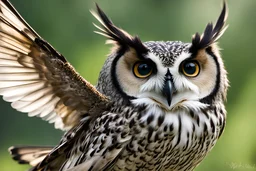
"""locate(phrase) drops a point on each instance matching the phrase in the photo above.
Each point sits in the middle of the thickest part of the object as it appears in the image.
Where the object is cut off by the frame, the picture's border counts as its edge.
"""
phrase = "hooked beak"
(168, 88)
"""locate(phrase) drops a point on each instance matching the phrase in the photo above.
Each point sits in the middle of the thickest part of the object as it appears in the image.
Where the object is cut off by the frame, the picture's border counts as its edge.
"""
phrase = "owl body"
(148, 137)
(171, 141)
(157, 105)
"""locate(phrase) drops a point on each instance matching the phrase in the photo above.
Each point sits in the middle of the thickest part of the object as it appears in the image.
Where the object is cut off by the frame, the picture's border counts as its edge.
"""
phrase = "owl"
(157, 105)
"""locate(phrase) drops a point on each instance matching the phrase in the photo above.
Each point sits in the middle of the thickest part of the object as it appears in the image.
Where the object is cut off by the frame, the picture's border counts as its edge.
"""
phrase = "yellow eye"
(142, 69)
(190, 68)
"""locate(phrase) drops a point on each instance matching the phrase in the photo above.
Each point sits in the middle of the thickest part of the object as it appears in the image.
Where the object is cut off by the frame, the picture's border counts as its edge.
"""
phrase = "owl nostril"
(168, 75)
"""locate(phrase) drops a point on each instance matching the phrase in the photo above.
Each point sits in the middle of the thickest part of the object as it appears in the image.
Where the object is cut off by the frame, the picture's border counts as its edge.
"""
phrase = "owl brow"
(142, 56)
(192, 57)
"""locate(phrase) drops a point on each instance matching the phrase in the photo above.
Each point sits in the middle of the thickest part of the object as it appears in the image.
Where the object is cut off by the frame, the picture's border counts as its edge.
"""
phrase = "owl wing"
(37, 79)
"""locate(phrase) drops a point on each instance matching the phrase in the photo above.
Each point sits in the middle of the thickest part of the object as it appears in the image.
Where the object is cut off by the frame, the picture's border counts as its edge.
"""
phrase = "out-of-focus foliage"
(67, 25)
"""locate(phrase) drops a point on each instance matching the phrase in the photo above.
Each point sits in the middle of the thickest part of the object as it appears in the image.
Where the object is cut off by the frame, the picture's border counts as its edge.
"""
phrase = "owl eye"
(142, 69)
(190, 68)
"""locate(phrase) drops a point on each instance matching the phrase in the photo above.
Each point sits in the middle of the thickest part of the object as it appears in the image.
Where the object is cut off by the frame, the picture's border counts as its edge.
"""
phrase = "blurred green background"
(67, 25)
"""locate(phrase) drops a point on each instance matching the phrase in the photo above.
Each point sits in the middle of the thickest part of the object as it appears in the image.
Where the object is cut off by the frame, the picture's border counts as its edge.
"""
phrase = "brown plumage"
(157, 105)
(37, 79)
(31, 155)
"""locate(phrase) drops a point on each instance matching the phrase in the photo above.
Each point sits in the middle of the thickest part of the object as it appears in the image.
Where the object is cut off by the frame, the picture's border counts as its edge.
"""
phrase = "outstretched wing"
(37, 79)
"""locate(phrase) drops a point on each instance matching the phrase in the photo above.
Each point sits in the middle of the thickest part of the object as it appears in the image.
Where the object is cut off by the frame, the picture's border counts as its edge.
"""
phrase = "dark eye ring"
(190, 68)
(142, 69)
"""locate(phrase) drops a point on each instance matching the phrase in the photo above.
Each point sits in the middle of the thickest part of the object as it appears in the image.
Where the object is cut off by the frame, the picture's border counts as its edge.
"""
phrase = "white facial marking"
(151, 91)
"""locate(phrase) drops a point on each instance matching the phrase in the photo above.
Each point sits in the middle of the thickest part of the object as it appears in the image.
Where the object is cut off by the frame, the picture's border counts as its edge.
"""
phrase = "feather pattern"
(211, 33)
(144, 134)
(115, 34)
(37, 79)
(29, 154)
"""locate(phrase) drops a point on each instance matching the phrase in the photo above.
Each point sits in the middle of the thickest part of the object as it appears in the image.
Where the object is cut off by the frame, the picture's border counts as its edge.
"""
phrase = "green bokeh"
(67, 25)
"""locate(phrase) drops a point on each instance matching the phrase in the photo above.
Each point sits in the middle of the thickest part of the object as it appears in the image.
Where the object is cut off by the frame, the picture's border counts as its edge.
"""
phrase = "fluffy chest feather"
(125, 139)
(171, 141)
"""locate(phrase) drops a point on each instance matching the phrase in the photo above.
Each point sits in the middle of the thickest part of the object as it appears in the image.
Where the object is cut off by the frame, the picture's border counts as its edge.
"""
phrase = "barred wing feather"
(37, 79)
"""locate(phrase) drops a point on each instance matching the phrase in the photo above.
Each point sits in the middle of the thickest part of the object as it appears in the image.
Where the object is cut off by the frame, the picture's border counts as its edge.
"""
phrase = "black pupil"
(144, 69)
(190, 68)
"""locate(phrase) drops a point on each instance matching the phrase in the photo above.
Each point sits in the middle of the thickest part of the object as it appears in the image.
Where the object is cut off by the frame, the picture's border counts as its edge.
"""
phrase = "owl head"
(167, 75)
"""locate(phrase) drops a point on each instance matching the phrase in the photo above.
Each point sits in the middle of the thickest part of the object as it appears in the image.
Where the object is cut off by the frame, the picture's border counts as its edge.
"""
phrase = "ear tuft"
(211, 34)
(116, 35)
